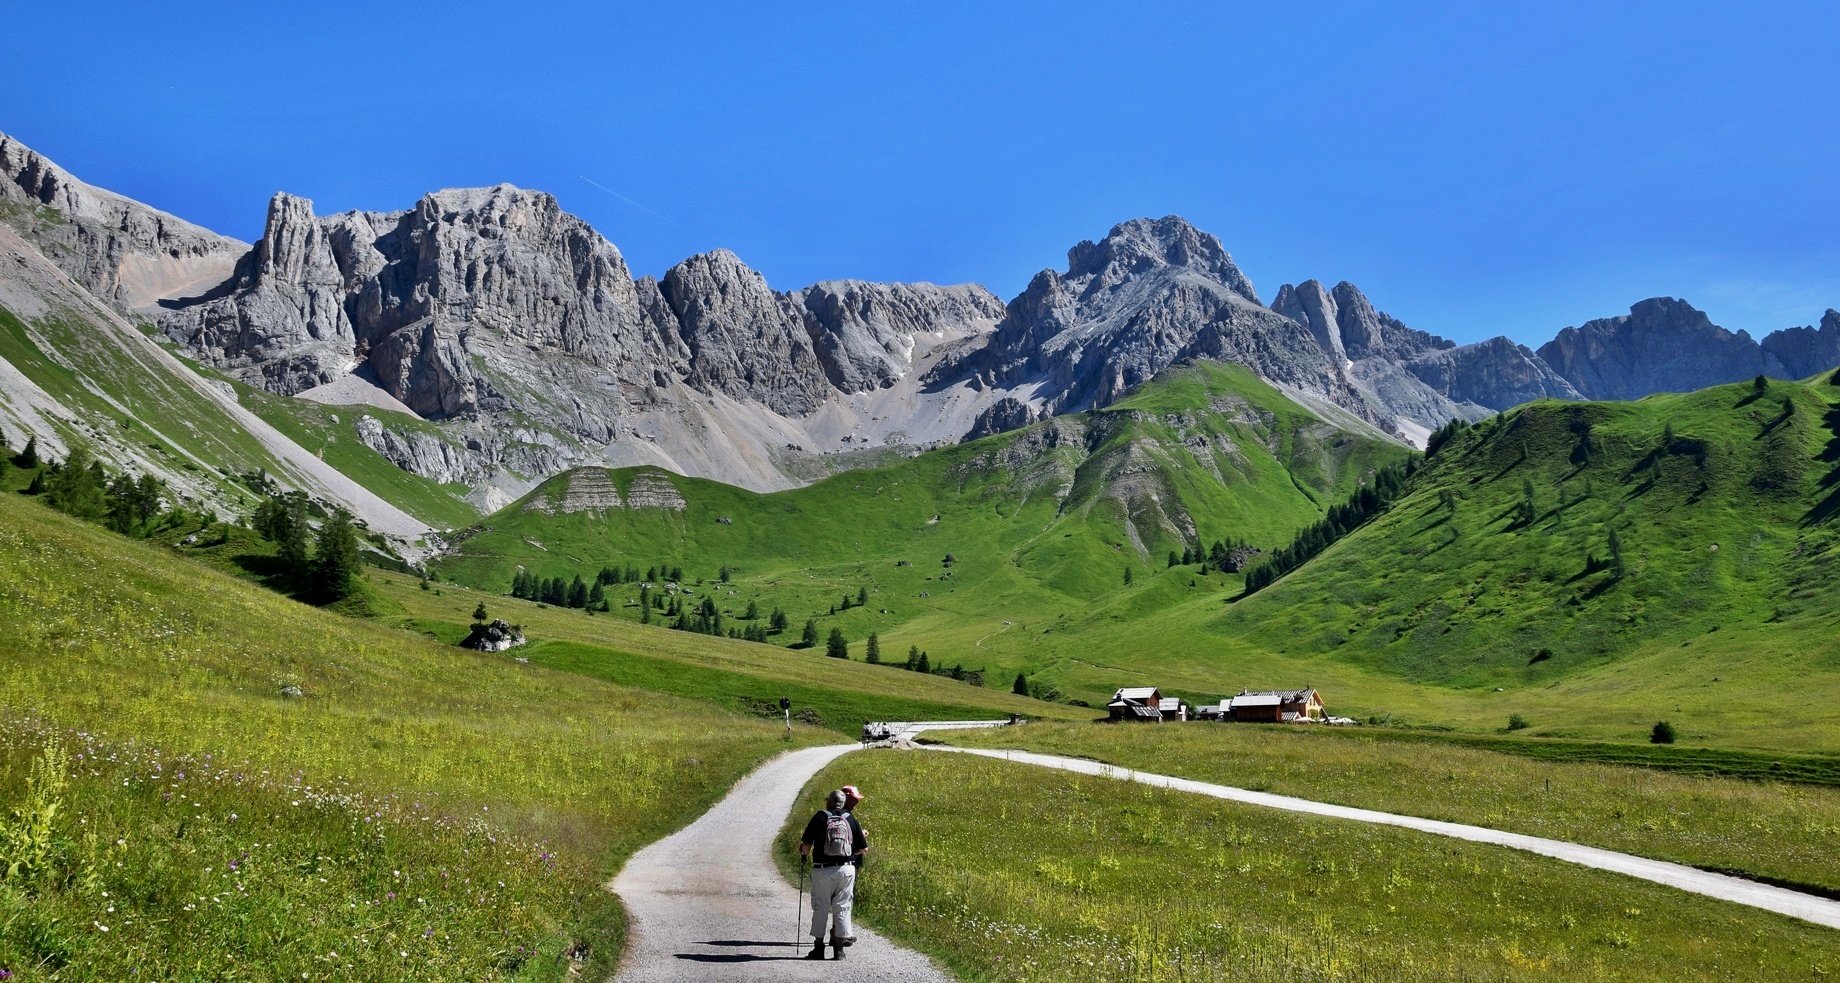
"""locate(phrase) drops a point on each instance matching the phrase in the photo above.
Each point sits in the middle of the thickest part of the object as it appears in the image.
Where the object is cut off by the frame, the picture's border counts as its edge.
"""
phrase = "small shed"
(1140, 703)
(1173, 708)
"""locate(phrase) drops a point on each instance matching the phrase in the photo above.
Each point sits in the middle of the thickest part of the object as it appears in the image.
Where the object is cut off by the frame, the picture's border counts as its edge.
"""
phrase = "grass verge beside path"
(416, 812)
(1016, 873)
(1783, 833)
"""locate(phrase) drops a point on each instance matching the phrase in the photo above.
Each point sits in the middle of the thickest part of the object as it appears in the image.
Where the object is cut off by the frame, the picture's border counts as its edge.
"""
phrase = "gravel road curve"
(1783, 901)
(707, 903)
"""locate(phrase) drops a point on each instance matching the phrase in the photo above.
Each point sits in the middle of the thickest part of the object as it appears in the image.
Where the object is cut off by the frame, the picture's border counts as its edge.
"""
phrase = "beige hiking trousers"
(833, 890)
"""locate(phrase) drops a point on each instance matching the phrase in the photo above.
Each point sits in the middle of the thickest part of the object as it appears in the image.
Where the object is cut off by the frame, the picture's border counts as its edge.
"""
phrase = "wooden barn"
(1139, 703)
(1274, 706)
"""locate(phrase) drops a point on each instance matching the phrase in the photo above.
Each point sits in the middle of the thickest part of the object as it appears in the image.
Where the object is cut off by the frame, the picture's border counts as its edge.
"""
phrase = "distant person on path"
(835, 843)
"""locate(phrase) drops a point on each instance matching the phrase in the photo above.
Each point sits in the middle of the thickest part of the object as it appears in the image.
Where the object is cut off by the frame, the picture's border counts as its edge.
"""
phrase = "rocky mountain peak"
(1661, 345)
(1136, 247)
(128, 254)
(1806, 351)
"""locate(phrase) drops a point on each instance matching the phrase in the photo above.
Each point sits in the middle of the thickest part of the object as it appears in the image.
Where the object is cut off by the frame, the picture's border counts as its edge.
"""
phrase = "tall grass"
(1016, 873)
(1784, 833)
(400, 755)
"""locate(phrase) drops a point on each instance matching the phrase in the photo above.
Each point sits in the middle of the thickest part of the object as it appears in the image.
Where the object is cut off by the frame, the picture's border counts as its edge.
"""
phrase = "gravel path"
(1795, 904)
(707, 902)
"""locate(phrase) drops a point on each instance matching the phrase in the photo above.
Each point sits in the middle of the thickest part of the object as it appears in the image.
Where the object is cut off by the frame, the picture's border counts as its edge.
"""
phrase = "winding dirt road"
(707, 903)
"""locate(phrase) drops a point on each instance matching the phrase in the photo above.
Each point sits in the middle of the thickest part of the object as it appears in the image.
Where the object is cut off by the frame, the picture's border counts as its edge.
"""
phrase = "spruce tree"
(872, 653)
(28, 458)
(924, 665)
(809, 639)
(337, 560)
(479, 613)
(835, 646)
(645, 605)
(291, 547)
(1760, 385)
(1173, 558)
(1021, 687)
(913, 658)
(1127, 576)
(597, 595)
(1616, 554)
(778, 622)
(578, 593)
(862, 596)
(753, 611)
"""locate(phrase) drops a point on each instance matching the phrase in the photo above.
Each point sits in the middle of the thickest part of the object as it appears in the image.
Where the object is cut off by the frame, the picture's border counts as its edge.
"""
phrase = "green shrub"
(1662, 734)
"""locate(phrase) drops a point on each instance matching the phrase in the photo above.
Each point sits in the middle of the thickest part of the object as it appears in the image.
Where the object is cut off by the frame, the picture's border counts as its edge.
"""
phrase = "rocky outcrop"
(119, 250)
(583, 490)
(420, 453)
(1150, 294)
(1005, 414)
(650, 490)
(1805, 351)
(497, 636)
(1661, 345)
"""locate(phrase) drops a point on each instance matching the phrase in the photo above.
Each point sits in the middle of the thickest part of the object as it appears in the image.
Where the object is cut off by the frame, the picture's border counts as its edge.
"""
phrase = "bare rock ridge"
(521, 337)
(1422, 379)
(1150, 294)
(1666, 345)
(123, 252)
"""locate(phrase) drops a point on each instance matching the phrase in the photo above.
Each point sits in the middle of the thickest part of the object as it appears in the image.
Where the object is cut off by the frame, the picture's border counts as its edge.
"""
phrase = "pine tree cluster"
(1367, 501)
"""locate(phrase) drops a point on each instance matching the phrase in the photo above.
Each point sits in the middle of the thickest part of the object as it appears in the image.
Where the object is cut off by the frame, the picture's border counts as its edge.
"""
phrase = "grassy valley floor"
(1016, 873)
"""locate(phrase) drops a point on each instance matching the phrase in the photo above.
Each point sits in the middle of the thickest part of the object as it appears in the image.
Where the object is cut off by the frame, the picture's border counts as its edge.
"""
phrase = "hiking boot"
(817, 950)
(837, 949)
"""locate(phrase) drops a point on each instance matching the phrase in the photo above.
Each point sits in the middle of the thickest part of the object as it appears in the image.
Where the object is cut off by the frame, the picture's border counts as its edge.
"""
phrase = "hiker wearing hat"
(835, 843)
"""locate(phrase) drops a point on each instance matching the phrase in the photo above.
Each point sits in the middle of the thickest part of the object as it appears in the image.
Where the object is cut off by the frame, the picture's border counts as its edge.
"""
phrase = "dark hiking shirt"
(814, 835)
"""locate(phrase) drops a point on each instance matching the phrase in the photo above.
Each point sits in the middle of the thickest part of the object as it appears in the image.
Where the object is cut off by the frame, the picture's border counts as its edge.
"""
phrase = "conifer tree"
(1173, 559)
(479, 613)
(1127, 576)
(597, 595)
(28, 458)
(872, 652)
(1021, 687)
(835, 646)
(291, 546)
(913, 658)
(810, 637)
(778, 621)
(578, 593)
(1616, 554)
(924, 666)
(337, 560)
(862, 596)
(753, 611)
(645, 605)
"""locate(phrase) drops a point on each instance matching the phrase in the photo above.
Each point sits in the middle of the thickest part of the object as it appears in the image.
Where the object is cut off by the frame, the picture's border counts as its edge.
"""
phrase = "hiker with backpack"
(835, 843)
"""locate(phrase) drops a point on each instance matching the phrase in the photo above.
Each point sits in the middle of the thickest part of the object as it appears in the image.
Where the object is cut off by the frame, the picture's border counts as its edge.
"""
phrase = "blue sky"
(1478, 169)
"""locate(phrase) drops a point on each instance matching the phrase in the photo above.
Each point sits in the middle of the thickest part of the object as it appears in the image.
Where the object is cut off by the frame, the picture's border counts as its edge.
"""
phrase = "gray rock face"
(1661, 345)
(420, 453)
(1414, 375)
(1496, 374)
(124, 252)
(1150, 294)
(867, 335)
(1804, 352)
(745, 340)
(1005, 414)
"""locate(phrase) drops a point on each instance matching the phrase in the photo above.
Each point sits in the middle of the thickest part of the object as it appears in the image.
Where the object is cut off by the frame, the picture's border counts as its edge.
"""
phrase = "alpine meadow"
(401, 580)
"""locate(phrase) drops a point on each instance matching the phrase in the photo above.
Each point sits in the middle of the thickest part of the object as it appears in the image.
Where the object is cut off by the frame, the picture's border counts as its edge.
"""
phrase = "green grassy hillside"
(1711, 606)
(1042, 526)
(416, 812)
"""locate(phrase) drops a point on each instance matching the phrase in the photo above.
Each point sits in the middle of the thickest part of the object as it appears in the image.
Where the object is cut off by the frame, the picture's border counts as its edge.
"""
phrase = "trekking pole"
(799, 916)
